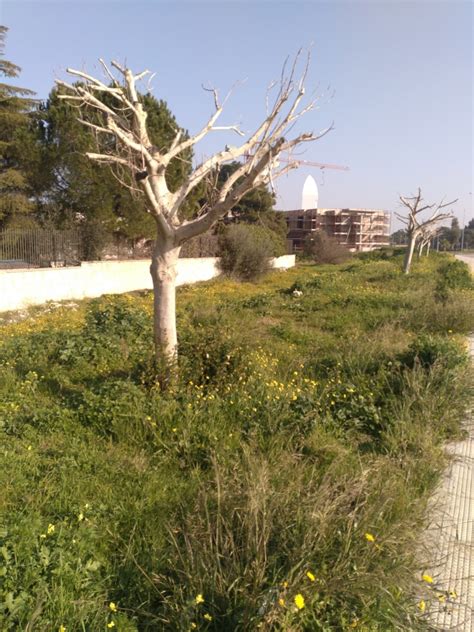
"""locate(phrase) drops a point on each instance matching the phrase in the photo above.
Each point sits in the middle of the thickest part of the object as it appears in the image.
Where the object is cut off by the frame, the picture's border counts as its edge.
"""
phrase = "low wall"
(22, 288)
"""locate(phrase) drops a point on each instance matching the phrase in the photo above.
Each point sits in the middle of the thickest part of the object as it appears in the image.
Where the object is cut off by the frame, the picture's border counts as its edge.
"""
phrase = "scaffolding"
(359, 230)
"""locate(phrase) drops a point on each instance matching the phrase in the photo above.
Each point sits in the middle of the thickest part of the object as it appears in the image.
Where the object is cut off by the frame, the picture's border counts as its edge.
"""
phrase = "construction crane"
(310, 195)
(320, 165)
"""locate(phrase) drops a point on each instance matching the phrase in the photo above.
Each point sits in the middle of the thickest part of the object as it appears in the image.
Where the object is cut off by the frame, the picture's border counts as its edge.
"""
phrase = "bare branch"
(109, 73)
(96, 128)
(142, 74)
(232, 128)
(109, 159)
(215, 94)
(120, 68)
(84, 75)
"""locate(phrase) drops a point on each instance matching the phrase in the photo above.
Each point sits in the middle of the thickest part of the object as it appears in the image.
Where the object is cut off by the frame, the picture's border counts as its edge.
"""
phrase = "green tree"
(73, 190)
(450, 236)
(455, 232)
(399, 237)
(469, 234)
(256, 207)
(16, 106)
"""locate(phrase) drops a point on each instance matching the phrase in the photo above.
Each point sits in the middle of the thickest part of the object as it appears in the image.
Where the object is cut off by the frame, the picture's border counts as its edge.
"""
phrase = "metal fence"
(45, 248)
(39, 248)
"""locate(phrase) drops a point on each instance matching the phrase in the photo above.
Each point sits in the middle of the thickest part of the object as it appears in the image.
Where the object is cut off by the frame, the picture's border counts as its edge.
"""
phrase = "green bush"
(456, 275)
(245, 251)
(452, 275)
(322, 248)
(427, 350)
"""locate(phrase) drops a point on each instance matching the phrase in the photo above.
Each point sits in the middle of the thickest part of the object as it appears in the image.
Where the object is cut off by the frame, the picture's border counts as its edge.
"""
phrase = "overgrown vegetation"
(274, 487)
(322, 248)
(245, 250)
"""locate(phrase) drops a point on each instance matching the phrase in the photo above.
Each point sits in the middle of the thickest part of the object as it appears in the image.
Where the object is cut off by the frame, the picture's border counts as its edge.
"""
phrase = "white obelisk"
(310, 194)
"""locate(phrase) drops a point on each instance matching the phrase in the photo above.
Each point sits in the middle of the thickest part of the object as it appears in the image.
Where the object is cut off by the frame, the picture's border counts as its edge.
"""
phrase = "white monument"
(310, 194)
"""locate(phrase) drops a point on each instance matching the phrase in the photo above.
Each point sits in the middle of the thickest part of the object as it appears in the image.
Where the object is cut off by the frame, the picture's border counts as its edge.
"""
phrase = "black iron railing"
(49, 248)
(39, 248)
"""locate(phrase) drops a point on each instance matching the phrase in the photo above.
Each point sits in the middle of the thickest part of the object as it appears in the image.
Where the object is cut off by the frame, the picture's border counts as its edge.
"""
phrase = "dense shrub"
(452, 275)
(245, 251)
(455, 274)
(427, 350)
(322, 248)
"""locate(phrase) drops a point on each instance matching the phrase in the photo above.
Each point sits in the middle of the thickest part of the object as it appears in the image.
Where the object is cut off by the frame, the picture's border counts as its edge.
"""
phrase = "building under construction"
(358, 229)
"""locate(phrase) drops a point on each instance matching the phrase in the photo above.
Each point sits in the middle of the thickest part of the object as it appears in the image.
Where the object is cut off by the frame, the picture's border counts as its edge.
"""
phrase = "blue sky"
(395, 77)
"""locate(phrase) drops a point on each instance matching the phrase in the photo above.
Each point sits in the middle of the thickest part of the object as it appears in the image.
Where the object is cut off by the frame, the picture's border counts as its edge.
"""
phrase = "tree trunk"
(428, 248)
(409, 254)
(163, 271)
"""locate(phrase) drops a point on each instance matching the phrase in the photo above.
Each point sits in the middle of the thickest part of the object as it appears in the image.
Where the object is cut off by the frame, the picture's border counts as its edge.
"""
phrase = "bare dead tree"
(417, 229)
(124, 144)
(428, 233)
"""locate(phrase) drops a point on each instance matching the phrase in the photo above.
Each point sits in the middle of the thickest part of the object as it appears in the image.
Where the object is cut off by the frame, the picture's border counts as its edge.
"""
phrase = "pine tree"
(75, 191)
(15, 106)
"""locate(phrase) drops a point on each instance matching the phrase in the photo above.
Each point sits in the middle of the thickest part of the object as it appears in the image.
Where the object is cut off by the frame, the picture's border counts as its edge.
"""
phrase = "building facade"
(358, 229)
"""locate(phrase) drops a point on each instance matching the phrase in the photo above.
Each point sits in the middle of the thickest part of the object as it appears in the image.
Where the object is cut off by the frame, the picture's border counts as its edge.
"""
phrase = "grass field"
(280, 484)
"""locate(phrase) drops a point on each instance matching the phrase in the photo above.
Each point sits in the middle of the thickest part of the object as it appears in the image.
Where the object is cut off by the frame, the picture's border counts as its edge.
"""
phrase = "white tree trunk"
(409, 254)
(163, 271)
(428, 248)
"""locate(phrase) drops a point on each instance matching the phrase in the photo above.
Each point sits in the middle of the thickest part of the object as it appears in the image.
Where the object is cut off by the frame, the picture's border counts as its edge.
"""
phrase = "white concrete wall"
(284, 262)
(21, 288)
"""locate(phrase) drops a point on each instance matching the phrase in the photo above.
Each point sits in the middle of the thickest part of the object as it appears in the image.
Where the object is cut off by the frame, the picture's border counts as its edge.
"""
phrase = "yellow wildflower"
(113, 606)
(199, 599)
(369, 537)
(427, 578)
(299, 601)
(310, 576)
(62, 628)
(80, 517)
(50, 529)
(285, 584)
(111, 624)
(208, 617)
(281, 601)
(193, 625)
(422, 605)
